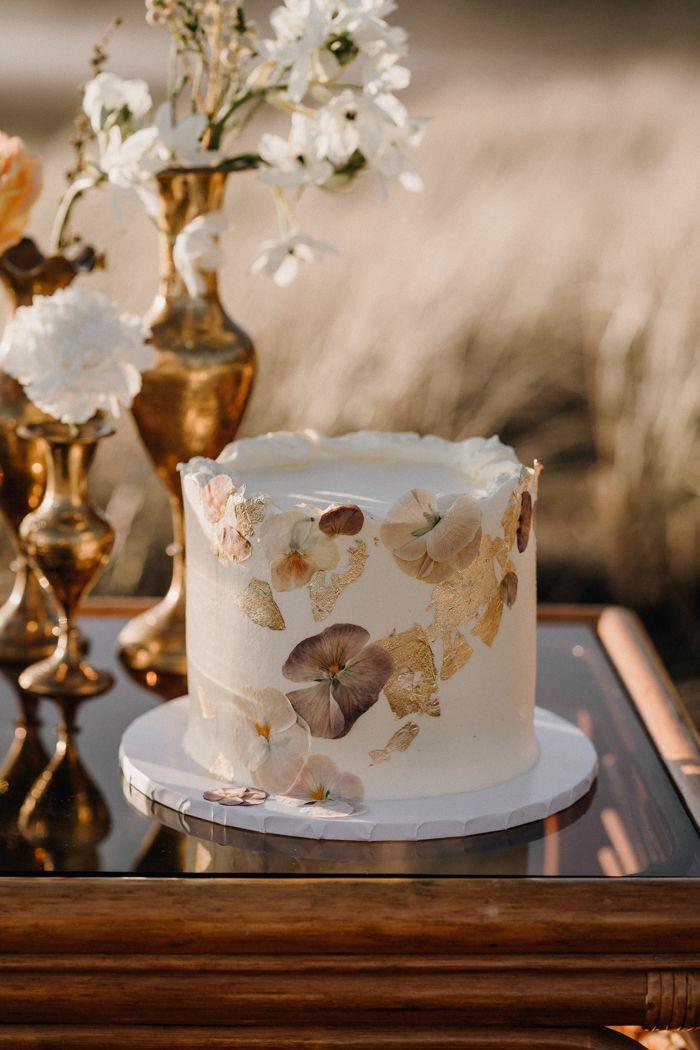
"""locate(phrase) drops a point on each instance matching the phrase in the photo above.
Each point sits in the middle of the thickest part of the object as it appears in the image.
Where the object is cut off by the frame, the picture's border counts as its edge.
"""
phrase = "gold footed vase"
(64, 816)
(29, 618)
(69, 542)
(190, 404)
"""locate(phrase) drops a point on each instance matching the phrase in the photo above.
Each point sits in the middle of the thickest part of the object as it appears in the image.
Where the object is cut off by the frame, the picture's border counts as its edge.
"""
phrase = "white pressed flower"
(298, 160)
(197, 249)
(280, 259)
(75, 354)
(110, 97)
(270, 742)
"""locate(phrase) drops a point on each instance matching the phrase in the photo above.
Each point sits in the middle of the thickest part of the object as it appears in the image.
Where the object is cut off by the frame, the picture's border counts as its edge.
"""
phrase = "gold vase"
(190, 404)
(69, 542)
(28, 619)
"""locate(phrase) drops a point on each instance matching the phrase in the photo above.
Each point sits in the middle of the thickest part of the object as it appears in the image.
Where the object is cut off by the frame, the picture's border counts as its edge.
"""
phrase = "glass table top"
(64, 809)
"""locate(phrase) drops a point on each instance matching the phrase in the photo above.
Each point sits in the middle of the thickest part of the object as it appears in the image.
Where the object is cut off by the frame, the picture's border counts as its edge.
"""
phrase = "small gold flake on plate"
(400, 741)
(257, 603)
(413, 685)
(324, 596)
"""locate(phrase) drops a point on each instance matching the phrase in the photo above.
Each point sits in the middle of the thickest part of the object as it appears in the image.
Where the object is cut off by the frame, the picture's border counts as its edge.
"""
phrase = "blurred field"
(543, 286)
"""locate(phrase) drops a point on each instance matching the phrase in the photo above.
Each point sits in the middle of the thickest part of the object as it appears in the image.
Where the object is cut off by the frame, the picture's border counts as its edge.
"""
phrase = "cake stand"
(154, 762)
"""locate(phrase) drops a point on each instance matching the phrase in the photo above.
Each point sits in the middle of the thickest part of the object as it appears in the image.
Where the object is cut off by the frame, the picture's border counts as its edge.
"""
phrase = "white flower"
(197, 249)
(382, 75)
(280, 259)
(296, 548)
(126, 161)
(179, 143)
(321, 782)
(391, 160)
(75, 354)
(270, 742)
(303, 27)
(108, 95)
(348, 123)
(298, 160)
(431, 537)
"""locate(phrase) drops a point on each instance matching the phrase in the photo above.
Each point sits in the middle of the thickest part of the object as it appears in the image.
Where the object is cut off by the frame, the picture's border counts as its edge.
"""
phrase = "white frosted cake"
(360, 616)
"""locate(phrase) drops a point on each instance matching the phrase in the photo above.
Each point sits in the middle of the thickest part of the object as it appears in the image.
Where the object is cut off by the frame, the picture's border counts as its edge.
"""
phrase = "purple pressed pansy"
(346, 674)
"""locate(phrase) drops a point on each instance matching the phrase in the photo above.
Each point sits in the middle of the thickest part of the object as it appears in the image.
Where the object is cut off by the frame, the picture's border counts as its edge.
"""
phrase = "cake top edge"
(483, 460)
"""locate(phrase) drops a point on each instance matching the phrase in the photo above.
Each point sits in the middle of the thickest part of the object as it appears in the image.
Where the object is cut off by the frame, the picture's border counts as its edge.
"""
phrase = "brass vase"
(28, 619)
(190, 404)
(69, 542)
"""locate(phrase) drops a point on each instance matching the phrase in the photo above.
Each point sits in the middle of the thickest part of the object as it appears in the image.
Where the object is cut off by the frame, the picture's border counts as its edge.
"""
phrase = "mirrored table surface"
(65, 809)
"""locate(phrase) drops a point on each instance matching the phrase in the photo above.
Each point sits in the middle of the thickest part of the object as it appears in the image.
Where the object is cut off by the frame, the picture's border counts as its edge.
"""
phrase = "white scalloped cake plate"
(154, 762)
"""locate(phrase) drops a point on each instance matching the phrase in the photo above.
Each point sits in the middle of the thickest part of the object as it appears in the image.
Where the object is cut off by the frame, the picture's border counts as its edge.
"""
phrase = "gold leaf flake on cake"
(490, 620)
(456, 650)
(413, 685)
(400, 741)
(324, 593)
(249, 513)
(257, 603)
(509, 521)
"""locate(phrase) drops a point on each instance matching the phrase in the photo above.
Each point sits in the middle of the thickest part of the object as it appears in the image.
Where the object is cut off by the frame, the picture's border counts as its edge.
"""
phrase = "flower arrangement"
(333, 66)
(75, 354)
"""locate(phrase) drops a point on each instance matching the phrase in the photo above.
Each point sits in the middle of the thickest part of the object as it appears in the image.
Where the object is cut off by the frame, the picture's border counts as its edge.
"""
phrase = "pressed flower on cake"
(296, 548)
(320, 781)
(346, 674)
(270, 742)
(432, 537)
(215, 495)
(230, 546)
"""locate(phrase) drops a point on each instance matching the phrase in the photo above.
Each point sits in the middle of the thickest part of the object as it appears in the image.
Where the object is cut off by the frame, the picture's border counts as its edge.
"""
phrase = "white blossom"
(109, 95)
(75, 354)
(280, 259)
(298, 160)
(127, 163)
(392, 161)
(348, 123)
(197, 249)
(179, 143)
(303, 28)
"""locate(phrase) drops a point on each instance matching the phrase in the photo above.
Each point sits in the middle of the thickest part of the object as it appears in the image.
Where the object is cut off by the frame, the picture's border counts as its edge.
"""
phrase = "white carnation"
(75, 354)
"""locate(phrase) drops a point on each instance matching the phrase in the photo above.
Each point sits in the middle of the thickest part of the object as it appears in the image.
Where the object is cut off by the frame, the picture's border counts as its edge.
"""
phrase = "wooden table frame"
(373, 962)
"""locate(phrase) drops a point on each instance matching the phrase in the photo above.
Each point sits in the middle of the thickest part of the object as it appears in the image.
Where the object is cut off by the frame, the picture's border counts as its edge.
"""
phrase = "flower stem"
(65, 207)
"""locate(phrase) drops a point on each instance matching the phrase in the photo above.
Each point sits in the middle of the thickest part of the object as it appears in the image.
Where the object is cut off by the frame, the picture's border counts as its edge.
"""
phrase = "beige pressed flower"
(321, 782)
(236, 796)
(269, 741)
(432, 537)
(230, 547)
(21, 179)
(296, 548)
(215, 495)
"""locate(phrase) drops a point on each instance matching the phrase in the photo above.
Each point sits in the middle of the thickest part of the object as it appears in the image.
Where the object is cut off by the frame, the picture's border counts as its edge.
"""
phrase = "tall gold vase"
(190, 404)
(28, 619)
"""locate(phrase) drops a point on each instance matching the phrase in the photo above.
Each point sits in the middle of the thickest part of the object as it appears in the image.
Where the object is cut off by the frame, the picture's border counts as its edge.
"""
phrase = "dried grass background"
(544, 285)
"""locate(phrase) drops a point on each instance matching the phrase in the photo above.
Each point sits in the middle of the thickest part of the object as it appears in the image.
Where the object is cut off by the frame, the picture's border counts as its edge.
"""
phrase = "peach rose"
(21, 178)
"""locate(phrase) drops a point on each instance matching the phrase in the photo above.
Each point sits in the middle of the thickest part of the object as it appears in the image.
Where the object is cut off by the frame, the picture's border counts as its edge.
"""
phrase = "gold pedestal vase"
(28, 619)
(69, 542)
(190, 404)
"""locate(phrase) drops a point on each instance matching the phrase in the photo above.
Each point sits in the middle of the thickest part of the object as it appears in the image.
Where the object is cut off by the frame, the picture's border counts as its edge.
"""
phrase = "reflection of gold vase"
(21, 766)
(28, 618)
(190, 404)
(65, 815)
(69, 542)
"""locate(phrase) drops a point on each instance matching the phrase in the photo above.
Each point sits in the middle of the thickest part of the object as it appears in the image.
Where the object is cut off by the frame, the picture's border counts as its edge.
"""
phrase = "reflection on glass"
(21, 766)
(166, 686)
(64, 815)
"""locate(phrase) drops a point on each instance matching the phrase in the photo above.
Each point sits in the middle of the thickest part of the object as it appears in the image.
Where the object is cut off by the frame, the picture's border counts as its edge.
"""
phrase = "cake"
(361, 617)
